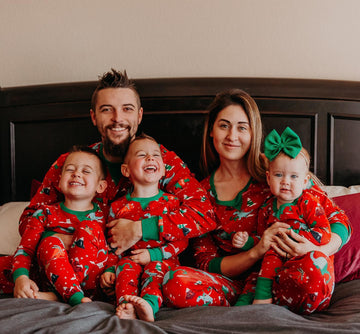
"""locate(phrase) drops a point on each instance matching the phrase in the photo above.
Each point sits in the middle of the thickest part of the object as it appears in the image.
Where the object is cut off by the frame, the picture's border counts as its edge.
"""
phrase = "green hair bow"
(289, 142)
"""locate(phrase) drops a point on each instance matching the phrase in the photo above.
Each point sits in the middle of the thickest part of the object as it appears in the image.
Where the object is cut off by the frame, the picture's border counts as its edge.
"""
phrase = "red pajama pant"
(77, 269)
(6, 282)
(303, 284)
(130, 277)
(186, 287)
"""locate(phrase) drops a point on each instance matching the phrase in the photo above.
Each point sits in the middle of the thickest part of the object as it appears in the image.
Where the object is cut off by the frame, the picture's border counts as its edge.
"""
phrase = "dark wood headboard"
(38, 123)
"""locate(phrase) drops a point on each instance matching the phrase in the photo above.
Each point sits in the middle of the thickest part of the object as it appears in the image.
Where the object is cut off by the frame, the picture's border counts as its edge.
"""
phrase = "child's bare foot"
(126, 311)
(46, 296)
(262, 301)
(86, 300)
(143, 309)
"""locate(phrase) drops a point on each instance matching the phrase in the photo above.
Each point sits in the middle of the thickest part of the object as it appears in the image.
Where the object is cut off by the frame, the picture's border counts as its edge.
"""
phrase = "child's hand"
(239, 239)
(140, 256)
(25, 287)
(107, 282)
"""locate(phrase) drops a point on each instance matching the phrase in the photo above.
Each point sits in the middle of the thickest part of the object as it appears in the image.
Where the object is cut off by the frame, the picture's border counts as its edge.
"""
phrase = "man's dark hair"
(114, 79)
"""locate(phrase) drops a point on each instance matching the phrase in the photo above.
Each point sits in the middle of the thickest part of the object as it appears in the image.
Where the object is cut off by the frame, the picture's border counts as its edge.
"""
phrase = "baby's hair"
(306, 156)
(89, 150)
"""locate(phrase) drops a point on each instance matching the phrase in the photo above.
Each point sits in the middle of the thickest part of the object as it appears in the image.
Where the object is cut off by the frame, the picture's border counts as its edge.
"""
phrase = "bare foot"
(126, 311)
(262, 301)
(46, 296)
(143, 309)
(86, 300)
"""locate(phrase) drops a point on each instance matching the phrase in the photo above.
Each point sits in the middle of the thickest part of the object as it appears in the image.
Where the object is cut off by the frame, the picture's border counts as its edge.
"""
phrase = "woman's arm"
(235, 265)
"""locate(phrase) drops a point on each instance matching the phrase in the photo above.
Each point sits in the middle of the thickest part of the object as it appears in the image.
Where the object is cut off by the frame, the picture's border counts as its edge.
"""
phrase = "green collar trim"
(237, 201)
(81, 215)
(144, 201)
(279, 211)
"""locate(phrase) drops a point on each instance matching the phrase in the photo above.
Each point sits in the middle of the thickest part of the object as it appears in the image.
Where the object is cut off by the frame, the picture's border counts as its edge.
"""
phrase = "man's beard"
(116, 150)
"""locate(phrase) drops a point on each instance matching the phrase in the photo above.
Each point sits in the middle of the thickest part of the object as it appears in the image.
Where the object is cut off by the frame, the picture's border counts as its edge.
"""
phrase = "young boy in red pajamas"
(150, 260)
(67, 237)
(288, 176)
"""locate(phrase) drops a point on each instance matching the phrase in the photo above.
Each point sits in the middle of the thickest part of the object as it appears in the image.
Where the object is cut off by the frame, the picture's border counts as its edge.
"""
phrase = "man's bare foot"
(262, 301)
(126, 311)
(46, 296)
(86, 300)
(143, 309)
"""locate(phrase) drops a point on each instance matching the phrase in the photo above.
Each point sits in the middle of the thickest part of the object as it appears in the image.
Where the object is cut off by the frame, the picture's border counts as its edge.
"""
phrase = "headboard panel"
(38, 123)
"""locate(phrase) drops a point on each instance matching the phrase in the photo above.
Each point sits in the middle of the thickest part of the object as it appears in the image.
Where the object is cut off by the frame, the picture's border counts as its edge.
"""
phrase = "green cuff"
(150, 228)
(215, 265)
(19, 272)
(153, 301)
(263, 288)
(75, 299)
(341, 231)
(110, 270)
(249, 244)
(155, 254)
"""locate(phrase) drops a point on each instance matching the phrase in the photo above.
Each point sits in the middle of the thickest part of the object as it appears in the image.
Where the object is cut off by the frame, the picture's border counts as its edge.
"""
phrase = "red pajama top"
(54, 218)
(305, 215)
(193, 217)
(138, 208)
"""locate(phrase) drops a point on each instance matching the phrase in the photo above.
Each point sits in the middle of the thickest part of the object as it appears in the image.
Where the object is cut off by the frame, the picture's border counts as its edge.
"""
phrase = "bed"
(326, 115)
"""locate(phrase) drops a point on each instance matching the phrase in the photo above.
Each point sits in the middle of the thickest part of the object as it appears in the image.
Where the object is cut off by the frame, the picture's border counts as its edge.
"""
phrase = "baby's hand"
(140, 256)
(239, 239)
(107, 282)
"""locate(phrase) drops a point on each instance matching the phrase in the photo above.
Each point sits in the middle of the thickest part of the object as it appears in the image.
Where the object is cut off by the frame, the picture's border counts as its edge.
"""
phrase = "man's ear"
(141, 112)
(101, 186)
(93, 118)
(125, 170)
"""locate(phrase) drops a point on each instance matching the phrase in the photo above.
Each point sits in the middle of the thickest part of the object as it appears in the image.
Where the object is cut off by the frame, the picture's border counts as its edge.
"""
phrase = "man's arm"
(194, 217)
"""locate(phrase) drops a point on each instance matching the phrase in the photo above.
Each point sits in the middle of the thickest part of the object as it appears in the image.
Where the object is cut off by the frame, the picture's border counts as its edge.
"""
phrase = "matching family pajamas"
(70, 271)
(131, 276)
(305, 277)
(193, 217)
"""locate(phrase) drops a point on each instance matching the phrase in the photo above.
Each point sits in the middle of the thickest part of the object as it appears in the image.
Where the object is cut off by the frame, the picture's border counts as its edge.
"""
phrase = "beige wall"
(49, 41)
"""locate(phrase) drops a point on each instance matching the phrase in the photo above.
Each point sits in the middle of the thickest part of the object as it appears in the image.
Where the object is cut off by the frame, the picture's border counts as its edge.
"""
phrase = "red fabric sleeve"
(47, 193)
(25, 252)
(314, 215)
(334, 214)
(195, 216)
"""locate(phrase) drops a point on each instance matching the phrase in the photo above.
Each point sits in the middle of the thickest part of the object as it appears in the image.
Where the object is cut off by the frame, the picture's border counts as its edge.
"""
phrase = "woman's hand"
(270, 236)
(236, 264)
(290, 244)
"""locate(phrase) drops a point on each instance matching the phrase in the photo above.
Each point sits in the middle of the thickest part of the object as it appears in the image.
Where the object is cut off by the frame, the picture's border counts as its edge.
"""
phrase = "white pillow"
(9, 224)
(336, 191)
